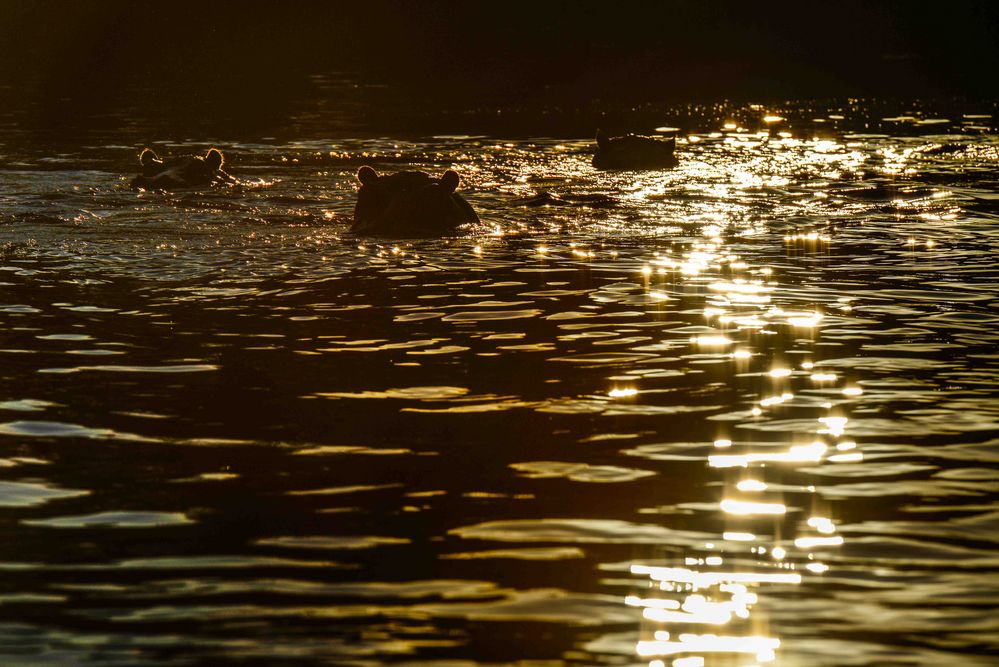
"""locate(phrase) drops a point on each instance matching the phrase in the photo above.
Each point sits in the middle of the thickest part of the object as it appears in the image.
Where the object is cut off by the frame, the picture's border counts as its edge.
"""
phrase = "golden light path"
(687, 607)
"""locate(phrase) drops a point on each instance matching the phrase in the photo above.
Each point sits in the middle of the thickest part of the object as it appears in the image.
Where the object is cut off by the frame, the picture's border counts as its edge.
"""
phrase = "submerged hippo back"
(409, 204)
(634, 152)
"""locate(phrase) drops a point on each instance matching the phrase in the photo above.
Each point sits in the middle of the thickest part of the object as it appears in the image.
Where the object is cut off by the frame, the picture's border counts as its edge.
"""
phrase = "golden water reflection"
(702, 609)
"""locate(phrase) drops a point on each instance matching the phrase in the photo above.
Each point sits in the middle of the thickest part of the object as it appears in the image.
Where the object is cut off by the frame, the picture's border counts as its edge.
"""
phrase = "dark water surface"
(746, 412)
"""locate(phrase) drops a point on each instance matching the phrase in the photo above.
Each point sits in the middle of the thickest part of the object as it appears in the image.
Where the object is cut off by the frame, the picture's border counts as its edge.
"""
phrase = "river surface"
(740, 412)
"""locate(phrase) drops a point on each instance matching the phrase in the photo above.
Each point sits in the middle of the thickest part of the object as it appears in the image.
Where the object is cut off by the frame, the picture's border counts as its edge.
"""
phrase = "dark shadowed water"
(744, 411)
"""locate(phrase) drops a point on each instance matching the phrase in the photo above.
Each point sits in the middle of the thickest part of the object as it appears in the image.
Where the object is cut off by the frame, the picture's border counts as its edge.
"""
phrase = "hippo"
(188, 171)
(632, 152)
(545, 198)
(409, 204)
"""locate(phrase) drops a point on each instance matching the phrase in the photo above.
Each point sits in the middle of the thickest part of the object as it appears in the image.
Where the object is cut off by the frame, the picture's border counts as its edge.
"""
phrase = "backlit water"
(743, 413)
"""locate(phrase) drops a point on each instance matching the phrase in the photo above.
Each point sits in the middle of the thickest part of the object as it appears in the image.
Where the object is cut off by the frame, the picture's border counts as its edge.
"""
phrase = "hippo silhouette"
(545, 198)
(632, 152)
(409, 204)
(188, 171)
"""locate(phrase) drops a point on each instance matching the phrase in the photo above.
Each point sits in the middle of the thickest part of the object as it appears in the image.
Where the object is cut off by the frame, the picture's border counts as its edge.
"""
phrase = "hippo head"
(180, 172)
(409, 203)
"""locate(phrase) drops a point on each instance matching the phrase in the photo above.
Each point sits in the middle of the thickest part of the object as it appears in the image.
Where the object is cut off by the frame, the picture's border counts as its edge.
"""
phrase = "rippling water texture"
(743, 410)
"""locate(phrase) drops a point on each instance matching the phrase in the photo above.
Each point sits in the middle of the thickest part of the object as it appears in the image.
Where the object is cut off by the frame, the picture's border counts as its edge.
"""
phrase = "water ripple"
(114, 520)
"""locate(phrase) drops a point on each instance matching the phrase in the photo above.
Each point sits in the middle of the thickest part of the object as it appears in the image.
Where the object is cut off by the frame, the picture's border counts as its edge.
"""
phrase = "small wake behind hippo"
(633, 152)
(409, 204)
(188, 171)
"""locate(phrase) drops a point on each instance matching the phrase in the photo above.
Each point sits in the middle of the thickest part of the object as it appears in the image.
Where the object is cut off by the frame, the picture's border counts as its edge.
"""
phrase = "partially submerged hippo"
(545, 198)
(634, 152)
(188, 171)
(409, 204)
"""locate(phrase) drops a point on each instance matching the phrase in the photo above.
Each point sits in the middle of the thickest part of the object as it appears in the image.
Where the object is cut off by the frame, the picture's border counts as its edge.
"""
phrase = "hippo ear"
(602, 142)
(367, 175)
(214, 159)
(147, 157)
(449, 181)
